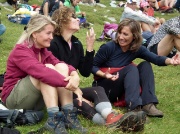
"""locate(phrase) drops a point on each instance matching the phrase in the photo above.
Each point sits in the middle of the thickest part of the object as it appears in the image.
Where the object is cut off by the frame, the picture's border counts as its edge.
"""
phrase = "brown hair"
(135, 28)
(62, 17)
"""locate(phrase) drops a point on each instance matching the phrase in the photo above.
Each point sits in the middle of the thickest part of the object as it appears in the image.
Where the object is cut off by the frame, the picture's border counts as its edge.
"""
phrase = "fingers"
(67, 78)
(175, 60)
(115, 77)
(79, 93)
(91, 32)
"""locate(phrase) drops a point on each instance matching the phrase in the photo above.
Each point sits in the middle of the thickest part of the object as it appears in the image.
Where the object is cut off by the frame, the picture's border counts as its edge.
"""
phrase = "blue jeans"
(177, 5)
(2, 29)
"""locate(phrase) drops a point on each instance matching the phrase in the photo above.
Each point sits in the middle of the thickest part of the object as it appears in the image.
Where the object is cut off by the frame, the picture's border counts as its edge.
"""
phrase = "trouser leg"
(131, 87)
(147, 83)
(86, 110)
(93, 94)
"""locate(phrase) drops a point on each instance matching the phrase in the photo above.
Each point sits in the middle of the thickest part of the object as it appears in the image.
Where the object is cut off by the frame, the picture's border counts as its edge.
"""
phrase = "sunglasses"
(74, 16)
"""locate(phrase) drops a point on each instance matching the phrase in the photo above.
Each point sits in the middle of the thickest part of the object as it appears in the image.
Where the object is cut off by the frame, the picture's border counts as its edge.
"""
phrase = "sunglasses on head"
(74, 16)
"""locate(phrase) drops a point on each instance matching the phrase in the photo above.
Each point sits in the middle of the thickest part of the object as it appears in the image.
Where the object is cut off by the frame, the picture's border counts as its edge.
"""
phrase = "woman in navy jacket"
(114, 70)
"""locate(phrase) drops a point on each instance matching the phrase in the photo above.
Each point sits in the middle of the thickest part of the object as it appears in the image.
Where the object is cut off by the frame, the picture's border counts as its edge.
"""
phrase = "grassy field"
(167, 78)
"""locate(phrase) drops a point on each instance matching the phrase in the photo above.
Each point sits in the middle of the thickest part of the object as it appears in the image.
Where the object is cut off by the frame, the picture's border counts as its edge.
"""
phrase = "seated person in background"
(74, 4)
(65, 46)
(49, 6)
(147, 23)
(13, 3)
(34, 78)
(113, 69)
(166, 5)
(153, 6)
(2, 30)
(166, 40)
(87, 1)
(146, 9)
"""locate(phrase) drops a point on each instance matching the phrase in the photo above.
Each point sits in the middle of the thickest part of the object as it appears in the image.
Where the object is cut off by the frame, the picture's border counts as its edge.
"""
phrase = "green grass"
(166, 78)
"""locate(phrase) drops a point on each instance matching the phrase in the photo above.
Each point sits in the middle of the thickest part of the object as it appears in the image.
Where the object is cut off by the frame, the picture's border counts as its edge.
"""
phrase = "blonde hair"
(62, 18)
(36, 24)
(135, 28)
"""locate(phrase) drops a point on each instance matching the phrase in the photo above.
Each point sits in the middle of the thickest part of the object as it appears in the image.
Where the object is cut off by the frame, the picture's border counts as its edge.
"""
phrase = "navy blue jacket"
(111, 55)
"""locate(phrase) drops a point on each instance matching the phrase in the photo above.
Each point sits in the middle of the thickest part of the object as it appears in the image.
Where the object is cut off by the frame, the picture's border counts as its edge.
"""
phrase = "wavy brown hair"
(62, 17)
(135, 28)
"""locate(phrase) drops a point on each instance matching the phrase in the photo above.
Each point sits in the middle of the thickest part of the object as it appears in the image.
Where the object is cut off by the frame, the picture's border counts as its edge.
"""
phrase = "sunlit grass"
(167, 78)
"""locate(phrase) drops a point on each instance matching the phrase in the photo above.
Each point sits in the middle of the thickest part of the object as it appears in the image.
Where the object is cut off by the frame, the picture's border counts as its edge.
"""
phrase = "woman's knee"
(99, 90)
(145, 67)
(132, 68)
(144, 64)
(62, 68)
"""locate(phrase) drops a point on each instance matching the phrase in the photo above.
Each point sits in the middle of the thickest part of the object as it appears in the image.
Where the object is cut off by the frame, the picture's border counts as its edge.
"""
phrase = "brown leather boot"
(151, 110)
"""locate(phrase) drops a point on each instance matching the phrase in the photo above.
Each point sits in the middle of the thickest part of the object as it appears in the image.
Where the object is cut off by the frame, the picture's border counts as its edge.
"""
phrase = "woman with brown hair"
(114, 70)
(65, 46)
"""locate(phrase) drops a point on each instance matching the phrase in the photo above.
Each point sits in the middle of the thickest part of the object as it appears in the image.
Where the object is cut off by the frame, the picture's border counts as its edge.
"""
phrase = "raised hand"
(90, 39)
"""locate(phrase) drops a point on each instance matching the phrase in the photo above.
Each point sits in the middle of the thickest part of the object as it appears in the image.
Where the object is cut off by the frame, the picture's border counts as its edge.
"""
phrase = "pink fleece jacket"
(23, 61)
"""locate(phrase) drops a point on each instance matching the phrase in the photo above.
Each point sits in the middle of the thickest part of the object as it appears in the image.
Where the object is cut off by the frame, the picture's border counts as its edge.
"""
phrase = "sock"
(104, 108)
(68, 106)
(98, 119)
(112, 34)
(52, 110)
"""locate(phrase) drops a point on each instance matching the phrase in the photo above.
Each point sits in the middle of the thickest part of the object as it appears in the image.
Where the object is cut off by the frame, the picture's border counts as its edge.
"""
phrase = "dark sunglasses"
(74, 16)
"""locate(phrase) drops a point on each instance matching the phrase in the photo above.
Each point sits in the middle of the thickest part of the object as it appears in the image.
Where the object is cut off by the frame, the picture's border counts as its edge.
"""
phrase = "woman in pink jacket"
(35, 78)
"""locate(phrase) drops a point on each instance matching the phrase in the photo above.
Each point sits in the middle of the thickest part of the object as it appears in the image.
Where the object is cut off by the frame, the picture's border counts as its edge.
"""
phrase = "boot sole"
(125, 122)
(48, 128)
(153, 115)
(159, 116)
(141, 120)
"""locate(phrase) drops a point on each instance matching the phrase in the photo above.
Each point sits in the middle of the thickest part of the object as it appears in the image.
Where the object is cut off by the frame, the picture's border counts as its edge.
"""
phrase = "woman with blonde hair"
(34, 77)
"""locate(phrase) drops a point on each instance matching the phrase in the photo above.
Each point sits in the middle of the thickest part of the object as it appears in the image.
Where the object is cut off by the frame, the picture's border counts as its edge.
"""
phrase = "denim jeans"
(2, 29)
